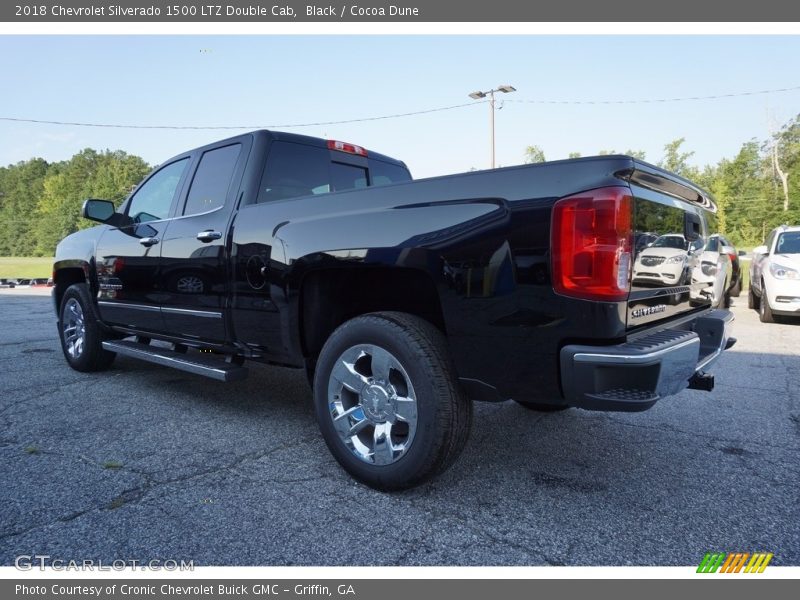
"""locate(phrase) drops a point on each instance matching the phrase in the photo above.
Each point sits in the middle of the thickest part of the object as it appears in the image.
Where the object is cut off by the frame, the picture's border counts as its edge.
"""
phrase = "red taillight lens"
(591, 244)
(345, 147)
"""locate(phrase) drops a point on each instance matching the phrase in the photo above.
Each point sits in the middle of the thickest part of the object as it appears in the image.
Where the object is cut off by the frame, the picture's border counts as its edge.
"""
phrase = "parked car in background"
(7, 283)
(775, 275)
(642, 239)
(668, 261)
(712, 276)
(718, 272)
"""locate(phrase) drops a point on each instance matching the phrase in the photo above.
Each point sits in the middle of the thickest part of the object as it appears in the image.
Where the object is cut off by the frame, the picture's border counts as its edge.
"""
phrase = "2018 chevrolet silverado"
(404, 300)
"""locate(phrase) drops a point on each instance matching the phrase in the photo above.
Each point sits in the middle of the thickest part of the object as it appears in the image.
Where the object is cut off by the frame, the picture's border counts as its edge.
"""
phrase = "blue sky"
(267, 80)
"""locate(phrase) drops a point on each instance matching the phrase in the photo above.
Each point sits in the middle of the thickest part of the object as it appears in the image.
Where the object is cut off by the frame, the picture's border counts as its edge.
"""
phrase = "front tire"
(80, 332)
(388, 402)
(764, 311)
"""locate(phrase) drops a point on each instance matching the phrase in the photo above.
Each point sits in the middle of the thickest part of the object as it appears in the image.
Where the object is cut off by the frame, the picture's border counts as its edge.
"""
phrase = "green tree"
(676, 161)
(21, 186)
(534, 154)
(638, 154)
(88, 174)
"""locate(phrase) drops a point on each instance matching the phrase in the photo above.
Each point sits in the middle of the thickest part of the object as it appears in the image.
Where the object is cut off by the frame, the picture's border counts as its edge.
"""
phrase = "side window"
(211, 181)
(294, 170)
(768, 243)
(153, 200)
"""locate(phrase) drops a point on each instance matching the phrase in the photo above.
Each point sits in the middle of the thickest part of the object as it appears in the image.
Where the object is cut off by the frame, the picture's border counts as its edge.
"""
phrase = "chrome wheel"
(372, 404)
(73, 328)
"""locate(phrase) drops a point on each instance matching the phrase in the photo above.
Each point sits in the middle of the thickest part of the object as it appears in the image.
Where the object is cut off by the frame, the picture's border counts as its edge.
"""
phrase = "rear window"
(295, 170)
(384, 173)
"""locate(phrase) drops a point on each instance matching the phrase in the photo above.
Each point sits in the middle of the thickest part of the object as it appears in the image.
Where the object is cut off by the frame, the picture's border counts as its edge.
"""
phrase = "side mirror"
(98, 210)
(760, 250)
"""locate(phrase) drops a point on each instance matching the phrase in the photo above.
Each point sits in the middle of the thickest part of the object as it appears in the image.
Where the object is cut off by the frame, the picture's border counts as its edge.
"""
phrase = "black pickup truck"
(404, 300)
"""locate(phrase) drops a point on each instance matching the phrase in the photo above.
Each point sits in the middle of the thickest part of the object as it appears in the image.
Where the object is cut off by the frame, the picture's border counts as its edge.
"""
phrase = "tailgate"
(671, 225)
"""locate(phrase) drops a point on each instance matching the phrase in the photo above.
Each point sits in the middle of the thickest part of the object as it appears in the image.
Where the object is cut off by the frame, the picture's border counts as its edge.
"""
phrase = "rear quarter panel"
(483, 238)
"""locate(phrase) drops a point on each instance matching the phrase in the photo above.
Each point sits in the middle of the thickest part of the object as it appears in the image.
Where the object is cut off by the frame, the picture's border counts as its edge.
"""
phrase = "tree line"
(40, 202)
(755, 190)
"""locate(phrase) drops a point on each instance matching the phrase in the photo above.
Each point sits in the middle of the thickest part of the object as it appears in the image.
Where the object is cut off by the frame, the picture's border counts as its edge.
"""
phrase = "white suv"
(667, 261)
(775, 275)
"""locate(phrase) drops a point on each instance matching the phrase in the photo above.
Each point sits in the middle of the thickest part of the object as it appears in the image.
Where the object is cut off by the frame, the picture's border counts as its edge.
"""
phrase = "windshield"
(788, 243)
(670, 241)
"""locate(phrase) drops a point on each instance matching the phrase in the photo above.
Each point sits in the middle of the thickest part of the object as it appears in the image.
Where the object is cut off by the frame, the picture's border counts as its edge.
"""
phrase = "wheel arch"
(65, 274)
(329, 297)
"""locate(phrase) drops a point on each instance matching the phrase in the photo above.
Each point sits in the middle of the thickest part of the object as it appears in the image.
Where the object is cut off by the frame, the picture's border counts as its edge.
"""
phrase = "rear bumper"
(635, 375)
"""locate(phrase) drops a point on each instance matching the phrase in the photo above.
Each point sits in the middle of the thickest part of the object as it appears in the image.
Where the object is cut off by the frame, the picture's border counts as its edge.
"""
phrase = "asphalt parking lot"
(143, 462)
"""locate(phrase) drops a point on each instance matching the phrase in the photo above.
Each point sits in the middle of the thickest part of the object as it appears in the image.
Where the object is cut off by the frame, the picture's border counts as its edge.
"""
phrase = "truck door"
(194, 253)
(127, 264)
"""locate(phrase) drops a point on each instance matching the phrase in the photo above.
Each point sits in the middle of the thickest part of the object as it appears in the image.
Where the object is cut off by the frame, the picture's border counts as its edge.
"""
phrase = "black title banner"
(399, 11)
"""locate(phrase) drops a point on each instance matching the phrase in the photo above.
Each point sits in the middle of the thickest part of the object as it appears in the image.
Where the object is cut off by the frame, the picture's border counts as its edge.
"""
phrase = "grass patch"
(112, 464)
(25, 267)
(745, 266)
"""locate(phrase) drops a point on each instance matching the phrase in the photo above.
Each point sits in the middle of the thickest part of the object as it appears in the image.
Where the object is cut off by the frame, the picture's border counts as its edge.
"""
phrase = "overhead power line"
(283, 125)
(399, 115)
(656, 100)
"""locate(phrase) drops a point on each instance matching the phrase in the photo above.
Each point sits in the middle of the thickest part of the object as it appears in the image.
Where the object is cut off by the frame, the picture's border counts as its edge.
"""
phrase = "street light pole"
(506, 89)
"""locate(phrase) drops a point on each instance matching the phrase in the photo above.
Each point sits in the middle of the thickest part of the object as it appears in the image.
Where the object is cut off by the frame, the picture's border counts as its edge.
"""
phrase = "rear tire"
(764, 311)
(388, 402)
(80, 332)
(736, 290)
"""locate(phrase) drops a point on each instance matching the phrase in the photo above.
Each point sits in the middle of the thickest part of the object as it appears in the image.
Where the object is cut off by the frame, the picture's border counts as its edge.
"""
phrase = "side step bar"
(207, 366)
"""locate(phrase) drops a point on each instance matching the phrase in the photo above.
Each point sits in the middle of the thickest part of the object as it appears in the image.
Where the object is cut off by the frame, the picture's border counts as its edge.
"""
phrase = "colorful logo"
(734, 562)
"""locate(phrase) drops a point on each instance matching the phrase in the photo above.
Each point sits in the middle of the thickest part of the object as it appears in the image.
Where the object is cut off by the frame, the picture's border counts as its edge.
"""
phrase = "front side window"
(211, 181)
(713, 244)
(152, 201)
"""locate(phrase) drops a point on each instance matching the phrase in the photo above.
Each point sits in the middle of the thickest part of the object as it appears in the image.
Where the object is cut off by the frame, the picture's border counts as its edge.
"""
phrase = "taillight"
(591, 244)
(345, 147)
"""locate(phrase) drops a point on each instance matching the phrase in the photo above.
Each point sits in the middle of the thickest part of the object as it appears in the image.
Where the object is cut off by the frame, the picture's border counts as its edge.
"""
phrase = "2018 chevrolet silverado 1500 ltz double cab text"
(404, 300)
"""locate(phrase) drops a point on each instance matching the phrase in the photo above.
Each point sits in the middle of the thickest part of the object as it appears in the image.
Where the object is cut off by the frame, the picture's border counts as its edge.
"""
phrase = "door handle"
(148, 241)
(208, 235)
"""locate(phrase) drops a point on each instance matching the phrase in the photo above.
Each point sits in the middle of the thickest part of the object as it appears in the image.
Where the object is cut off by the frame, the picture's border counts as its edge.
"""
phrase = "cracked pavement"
(143, 462)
